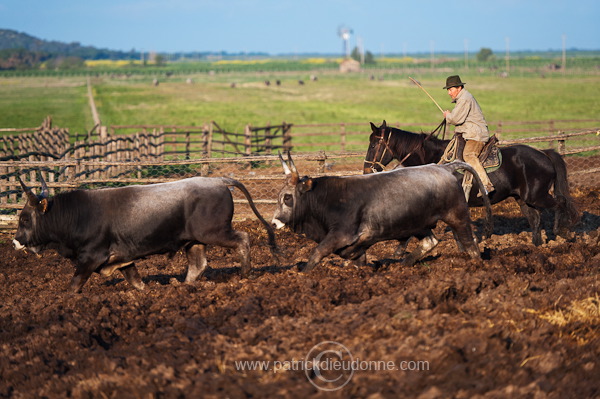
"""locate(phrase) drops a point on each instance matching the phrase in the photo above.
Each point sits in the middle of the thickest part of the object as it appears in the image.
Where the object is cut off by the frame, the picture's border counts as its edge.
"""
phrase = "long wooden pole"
(421, 87)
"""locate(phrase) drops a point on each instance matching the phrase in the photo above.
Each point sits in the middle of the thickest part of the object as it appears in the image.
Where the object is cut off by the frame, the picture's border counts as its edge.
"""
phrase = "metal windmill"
(345, 33)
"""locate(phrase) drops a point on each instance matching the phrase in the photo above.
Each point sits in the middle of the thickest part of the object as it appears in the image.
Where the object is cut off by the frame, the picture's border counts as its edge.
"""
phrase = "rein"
(387, 146)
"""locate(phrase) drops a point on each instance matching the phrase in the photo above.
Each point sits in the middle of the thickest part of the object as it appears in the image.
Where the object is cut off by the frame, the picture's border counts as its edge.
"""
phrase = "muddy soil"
(513, 325)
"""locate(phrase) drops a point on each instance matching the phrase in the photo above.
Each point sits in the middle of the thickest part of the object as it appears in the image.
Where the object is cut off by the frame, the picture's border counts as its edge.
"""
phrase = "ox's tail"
(567, 213)
(268, 227)
(489, 221)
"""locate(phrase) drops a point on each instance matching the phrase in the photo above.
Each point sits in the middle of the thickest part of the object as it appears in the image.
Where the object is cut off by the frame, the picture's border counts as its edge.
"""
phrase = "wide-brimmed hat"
(453, 81)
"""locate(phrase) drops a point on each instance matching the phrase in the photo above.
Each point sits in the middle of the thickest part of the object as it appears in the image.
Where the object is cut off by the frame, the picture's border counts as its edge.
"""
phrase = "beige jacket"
(468, 118)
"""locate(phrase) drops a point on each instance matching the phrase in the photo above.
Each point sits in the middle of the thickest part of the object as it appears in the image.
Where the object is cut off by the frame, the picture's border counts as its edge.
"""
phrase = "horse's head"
(379, 153)
(387, 143)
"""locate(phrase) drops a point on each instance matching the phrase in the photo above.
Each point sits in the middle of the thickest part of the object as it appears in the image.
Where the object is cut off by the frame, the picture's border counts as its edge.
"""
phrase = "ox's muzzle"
(277, 224)
(18, 245)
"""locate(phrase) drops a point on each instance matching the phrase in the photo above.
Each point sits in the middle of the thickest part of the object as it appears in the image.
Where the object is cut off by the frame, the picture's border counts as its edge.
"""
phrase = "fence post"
(161, 144)
(561, 145)
(343, 136)
(137, 155)
(287, 136)
(3, 187)
(13, 183)
(322, 161)
(267, 136)
(248, 140)
(499, 130)
(206, 147)
(187, 144)
(154, 144)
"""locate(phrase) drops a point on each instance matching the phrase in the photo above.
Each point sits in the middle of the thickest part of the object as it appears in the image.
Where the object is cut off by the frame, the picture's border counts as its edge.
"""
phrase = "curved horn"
(286, 168)
(45, 192)
(295, 176)
(291, 163)
(33, 199)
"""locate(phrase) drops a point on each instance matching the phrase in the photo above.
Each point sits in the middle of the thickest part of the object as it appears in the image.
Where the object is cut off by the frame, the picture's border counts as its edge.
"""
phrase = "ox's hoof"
(305, 267)
(409, 261)
(132, 276)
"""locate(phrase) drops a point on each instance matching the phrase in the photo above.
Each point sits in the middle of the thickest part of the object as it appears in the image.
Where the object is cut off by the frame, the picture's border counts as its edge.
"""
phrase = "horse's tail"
(561, 190)
(489, 221)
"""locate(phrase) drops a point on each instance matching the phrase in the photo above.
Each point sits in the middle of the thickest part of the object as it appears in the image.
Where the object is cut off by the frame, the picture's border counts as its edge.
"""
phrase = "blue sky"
(309, 26)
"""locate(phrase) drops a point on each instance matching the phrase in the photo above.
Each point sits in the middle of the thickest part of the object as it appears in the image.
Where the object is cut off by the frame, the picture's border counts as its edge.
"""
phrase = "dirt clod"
(447, 327)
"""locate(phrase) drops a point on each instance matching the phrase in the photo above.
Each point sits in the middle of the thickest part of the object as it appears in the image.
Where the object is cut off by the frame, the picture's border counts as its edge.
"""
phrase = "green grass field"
(333, 98)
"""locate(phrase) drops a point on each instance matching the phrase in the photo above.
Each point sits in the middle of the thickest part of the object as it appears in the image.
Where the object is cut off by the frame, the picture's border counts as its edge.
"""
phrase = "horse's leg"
(541, 199)
(562, 216)
(533, 216)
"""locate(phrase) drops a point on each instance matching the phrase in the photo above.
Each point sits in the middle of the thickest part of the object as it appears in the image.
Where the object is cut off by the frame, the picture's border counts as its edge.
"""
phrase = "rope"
(449, 154)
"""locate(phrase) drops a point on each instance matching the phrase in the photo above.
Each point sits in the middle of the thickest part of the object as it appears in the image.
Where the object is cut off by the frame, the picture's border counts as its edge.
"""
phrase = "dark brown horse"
(526, 174)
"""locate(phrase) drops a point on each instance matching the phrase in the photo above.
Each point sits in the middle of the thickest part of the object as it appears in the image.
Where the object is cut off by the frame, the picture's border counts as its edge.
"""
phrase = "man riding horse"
(469, 121)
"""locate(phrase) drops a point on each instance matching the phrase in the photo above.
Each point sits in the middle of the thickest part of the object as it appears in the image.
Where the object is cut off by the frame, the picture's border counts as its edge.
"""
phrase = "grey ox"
(107, 229)
(347, 215)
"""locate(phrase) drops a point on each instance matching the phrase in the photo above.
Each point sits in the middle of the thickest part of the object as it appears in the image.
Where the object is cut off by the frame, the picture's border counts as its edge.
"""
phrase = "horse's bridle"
(387, 147)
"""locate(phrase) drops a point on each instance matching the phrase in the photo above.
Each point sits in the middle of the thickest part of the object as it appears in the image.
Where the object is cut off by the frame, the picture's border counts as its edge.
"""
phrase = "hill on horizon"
(13, 40)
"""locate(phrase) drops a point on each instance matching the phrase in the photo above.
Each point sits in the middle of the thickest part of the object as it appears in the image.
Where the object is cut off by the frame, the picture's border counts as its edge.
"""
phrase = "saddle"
(490, 156)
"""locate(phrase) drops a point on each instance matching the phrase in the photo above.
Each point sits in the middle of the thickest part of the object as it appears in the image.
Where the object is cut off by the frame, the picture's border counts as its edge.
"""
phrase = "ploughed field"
(525, 322)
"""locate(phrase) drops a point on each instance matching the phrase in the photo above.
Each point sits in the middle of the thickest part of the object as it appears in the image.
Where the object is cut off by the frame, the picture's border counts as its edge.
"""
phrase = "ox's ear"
(374, 128)
(384, 124)
(306, 184)
(43, 205)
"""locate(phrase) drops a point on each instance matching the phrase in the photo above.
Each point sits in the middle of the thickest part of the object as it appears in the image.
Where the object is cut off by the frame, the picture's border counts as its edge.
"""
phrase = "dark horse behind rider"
(526, 174)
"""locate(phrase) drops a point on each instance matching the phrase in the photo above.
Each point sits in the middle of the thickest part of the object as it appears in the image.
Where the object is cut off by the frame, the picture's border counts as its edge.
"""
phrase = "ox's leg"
(106, 271)
(361, 260)
(132, 276)
(401, 250)
(222, 234)
(467, 242)
(241, 242)
(196, 256)
(533, 216)
(425, 245)
(82, 274)
(325, 247)
(460, 223)
(244, 251)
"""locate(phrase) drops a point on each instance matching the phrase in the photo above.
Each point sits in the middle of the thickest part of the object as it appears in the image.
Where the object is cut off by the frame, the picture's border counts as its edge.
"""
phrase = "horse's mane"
(405, 142)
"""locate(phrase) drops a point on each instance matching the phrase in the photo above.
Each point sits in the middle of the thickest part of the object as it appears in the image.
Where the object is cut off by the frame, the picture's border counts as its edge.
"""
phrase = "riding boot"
(471, 156)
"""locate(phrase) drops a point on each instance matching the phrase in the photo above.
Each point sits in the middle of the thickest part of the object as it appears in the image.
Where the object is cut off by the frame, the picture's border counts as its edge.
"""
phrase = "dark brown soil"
(457, 327)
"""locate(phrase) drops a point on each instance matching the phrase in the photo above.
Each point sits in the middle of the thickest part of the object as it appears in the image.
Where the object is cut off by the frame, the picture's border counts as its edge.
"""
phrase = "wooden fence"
(122, 146)
(352, 136)
(150, 154)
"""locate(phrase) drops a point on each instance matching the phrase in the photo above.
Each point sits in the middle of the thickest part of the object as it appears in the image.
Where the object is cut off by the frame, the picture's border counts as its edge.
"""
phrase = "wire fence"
(94, 163)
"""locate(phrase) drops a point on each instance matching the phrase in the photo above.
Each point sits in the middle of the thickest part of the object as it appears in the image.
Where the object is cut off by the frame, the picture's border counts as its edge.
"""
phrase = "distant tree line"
(368, 58)
(19, 51)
